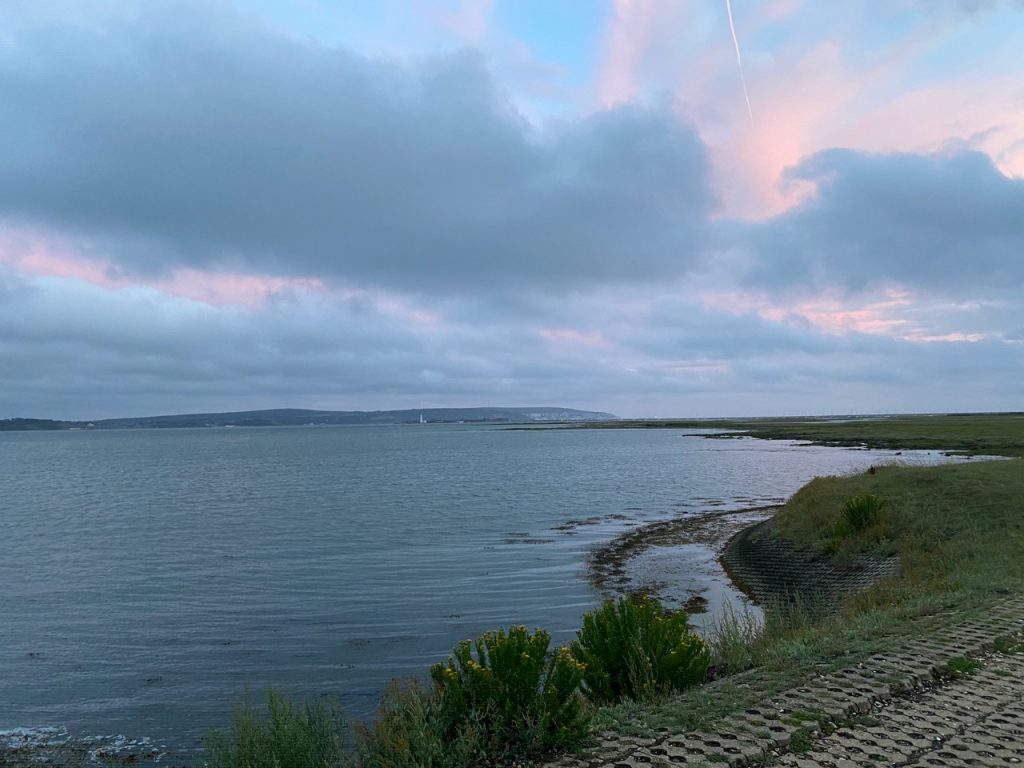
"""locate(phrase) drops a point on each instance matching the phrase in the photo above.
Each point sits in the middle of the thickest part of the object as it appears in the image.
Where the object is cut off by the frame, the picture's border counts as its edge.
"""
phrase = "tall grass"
(733, 638)
(410, 732)
(861, 512)
(310, 735)
(739, 640)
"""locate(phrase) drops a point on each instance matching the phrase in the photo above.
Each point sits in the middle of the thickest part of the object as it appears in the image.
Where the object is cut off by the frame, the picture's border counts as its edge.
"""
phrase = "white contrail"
(739, 60)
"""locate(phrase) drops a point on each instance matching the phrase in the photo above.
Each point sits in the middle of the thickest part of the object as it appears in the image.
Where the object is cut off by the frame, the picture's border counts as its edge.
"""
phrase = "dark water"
(148, 576)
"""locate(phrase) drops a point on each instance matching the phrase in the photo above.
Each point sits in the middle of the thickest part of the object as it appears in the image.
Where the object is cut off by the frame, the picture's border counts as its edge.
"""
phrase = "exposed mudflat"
(676, 561)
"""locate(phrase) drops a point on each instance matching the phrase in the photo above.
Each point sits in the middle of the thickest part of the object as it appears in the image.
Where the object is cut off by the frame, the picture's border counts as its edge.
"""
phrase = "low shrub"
(517, 699)
(287, 736)
(633, 649)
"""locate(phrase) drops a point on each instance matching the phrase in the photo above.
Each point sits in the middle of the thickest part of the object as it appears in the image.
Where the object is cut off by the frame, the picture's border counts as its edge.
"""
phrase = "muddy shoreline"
(675, 560)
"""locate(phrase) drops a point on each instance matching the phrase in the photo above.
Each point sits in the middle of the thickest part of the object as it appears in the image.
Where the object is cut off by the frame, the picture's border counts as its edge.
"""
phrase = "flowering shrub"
(633, 649)
(518, 699)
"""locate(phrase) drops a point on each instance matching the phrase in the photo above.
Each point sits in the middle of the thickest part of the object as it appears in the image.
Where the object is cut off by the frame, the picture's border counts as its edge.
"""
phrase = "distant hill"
(289, 417)
(30, 425)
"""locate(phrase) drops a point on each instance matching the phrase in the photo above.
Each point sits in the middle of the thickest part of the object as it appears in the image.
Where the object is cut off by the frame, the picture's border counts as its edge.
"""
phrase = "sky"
(373, 204)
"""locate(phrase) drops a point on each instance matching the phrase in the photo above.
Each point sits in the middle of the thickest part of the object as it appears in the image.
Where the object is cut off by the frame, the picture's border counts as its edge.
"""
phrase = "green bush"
(409, 733)
(633, 649)
(861, 512)
(518, 700)
(289, 736)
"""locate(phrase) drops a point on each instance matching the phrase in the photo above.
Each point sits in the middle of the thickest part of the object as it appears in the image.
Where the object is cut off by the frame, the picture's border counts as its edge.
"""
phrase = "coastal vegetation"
(958, 530)
(287, 735)
(971, 434)
(860, 513)
(519, 698)
(501, 699)
(633, 649)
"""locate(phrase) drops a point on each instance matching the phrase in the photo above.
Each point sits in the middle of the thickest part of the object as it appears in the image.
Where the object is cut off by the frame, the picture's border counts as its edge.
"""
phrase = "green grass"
(860, 513)
(957, 528)
(962, 667)
(1008, 645)
(800, 741)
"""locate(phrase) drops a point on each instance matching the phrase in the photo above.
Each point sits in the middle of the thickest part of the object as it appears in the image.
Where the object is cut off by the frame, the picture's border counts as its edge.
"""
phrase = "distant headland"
(294, 417)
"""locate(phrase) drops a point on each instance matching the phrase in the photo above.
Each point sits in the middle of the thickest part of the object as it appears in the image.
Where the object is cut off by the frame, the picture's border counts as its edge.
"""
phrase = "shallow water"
(148, 576)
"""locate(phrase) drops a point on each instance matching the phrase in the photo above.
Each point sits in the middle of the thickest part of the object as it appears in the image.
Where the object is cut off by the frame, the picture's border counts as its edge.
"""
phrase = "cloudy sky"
(361, 204)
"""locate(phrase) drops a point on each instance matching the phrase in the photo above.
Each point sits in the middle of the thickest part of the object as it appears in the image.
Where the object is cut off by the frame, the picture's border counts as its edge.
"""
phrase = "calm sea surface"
(146, 577)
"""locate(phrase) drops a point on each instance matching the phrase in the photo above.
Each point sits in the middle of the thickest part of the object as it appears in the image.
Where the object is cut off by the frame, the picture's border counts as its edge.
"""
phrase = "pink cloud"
(628, 36)
(469, 22)
(802, 105)
(947, 338)
(893, 313)
(33, 256)
(231, 288)
(775, 10)
(644, 40)
(829, 314)
(988, 116)
(807, 100)
(36, 254)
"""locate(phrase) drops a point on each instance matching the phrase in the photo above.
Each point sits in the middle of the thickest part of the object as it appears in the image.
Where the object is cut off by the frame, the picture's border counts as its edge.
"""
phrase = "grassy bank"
(994, 434)
(959, 530)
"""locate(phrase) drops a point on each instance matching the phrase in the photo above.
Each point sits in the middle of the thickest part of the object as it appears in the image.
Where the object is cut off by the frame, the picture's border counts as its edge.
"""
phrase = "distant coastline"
(295, 417)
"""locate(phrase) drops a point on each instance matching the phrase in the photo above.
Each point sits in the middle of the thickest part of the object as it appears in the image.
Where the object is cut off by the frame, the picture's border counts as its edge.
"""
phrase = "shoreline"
(677, 561)
(623, 565)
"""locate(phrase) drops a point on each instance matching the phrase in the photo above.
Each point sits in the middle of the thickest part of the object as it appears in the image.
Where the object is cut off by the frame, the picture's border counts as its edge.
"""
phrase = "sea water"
(147, 577)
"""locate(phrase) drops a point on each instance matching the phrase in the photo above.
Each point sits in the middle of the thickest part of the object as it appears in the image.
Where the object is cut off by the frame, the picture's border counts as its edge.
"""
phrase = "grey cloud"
(184, 133)
(165, 135)
(78, 351)
(73, 350)
(948, 223)
(680, 327)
